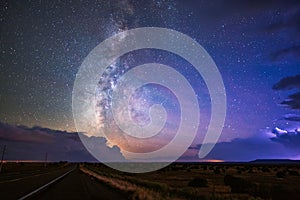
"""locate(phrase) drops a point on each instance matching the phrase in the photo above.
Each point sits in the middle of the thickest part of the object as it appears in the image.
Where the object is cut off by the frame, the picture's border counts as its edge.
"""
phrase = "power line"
(2, 157)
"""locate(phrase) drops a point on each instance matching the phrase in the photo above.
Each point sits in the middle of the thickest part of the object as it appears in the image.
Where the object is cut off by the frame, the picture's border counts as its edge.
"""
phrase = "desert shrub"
(238, 185)
(283, 192)
(265, 169)
(217, 171)
(198, 182)
(195, 166)
(263, 191)
(280, 174)
(294, 173)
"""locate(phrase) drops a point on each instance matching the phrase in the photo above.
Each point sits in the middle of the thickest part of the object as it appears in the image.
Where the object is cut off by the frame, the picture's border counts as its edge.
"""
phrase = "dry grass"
(136, 191)
(172, 182)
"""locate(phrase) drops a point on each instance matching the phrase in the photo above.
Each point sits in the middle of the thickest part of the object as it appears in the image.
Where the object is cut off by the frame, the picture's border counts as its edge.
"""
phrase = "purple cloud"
(244, 149)
(290, 139)
(24, 143)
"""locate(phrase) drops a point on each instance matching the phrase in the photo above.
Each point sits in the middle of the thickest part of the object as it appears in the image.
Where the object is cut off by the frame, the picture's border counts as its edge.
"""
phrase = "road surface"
(75, 185)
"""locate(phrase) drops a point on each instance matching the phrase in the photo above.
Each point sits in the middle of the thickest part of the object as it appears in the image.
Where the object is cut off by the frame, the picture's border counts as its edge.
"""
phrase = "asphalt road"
(75, 185)
(18, 175)
(78, 185)
(15, 187)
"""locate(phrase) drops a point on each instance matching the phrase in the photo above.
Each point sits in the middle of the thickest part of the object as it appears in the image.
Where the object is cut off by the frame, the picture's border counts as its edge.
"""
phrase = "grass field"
(205, 181)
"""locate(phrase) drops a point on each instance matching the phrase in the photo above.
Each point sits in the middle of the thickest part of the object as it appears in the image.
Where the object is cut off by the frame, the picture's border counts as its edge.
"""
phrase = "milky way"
(255, 46)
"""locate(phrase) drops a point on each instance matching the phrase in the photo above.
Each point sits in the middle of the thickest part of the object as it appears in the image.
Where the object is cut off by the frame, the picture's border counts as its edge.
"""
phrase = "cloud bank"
(290, 139)
(292, 117)
(24, 143)
(287, 83)
(248, 149)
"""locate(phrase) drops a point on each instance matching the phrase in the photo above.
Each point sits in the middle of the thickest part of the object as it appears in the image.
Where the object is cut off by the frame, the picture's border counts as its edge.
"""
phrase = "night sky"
(256, 46)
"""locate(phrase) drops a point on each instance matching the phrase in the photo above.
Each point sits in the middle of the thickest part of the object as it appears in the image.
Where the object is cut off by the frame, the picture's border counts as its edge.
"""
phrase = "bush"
(283, 192)
(217, 171)
(198, 182)
(238, 185)
(263, 191)
(294, 173)
(280, 174)
(265, 169)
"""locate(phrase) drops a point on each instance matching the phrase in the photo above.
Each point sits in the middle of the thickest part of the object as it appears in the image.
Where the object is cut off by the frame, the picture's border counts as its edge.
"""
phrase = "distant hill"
(275, 161)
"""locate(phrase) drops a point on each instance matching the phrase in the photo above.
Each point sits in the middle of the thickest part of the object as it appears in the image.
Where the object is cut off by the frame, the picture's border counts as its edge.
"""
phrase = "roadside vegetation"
(203, 181)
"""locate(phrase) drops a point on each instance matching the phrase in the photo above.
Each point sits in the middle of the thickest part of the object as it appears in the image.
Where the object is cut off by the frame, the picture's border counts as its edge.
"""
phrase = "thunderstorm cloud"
(24, 143)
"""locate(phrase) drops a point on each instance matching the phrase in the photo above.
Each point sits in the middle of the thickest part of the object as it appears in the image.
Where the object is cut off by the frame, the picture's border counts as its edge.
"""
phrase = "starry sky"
(256, 46)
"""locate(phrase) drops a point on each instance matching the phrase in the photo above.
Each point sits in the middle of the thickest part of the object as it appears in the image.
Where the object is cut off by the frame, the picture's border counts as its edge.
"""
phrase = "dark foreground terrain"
(257, 180)
(254, 180)
(74, 185)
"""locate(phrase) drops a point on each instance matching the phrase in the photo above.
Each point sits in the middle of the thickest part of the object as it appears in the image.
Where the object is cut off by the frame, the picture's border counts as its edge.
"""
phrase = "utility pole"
(2, 157)
(46, 158)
